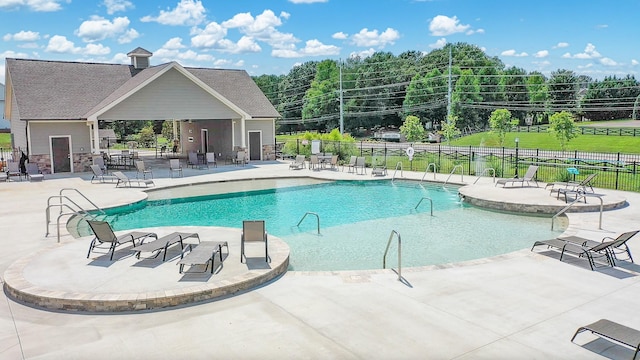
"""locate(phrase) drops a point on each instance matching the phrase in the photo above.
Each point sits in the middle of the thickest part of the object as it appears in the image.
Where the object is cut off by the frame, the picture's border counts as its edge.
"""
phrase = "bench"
(162, 244)
(613, 331)
(202, 253)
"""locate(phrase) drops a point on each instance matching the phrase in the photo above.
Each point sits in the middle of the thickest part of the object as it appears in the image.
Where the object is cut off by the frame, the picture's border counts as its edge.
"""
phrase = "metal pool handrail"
(399, 164)
(492, 170)
(310, 213)
(578, 198)
(427, 170)
(420, 202)
(453, 171)
(384, 258)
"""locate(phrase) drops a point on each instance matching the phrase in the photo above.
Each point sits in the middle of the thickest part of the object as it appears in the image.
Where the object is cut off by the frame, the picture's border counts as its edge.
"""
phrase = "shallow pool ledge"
(534, 200)
(61, 278)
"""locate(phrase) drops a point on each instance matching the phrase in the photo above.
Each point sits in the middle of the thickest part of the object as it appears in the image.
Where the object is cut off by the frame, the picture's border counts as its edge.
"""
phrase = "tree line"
(382, 90)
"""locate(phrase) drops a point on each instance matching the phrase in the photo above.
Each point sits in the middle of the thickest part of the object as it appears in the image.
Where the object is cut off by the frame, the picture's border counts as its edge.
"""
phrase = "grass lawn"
(5, 140)
(547, 141)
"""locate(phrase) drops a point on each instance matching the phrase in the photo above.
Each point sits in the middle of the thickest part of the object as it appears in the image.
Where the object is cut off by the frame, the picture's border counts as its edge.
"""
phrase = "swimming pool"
(356, 220)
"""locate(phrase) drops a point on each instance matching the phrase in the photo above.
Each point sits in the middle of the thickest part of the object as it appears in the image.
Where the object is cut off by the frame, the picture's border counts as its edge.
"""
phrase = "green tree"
(538, 95)
(146, 136)
(563, 127)
(449, 129)
(321, 100)
(412, 129)
(563, 90)
(427, 97)
(465, 96)
(514, 82)
(501, 123)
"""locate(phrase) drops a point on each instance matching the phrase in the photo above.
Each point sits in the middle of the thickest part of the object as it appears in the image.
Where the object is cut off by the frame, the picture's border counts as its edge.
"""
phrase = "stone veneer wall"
(81, 162)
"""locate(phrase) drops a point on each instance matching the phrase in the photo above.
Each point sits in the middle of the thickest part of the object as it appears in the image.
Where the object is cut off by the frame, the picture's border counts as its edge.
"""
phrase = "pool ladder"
(426, 171)
(310, 213)
(78, 210)
(430, 202)
(384, 258)
(490, 170)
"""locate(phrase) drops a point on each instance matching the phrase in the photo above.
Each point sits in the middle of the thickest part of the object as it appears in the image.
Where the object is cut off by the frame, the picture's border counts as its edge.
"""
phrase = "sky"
(596, 37)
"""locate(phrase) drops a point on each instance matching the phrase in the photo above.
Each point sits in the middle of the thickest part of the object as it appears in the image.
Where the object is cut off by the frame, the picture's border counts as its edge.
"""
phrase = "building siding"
(171, 96)
(39, 133)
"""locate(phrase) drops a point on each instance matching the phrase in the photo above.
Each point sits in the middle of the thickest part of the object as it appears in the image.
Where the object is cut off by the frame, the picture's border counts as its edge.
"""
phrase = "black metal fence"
(615, 170)
(584, 130)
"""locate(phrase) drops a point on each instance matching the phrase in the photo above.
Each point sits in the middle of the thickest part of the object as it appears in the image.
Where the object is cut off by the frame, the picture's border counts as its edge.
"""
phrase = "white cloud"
(340, 36)
(187, 12)
(34, 5)
(561, 45)
(440, 43)
(634, 62)
(173, 44)
(541, 54)
(312, 48)
(608, 62)
(366, 38)
(566, 55)
(59, 44)
(362, 54)
(512, 52)
(442, 25)
(12, 54)
(590, 52)
(209, 36)
(96, 49)
(99, 28)
(166, 55)
(262, 28)
(246, 44)
(22, 36)
(471, 32)
(114, 6)
(602, 26)
(128, 36)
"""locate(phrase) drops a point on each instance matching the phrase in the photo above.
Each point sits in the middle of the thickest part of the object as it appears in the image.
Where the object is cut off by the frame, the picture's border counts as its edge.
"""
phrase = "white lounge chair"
(126, 182)
(298, 163)
(175, 167)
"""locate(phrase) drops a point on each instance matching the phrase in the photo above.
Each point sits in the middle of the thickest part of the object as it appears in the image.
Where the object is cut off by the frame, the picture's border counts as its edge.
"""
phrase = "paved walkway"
(520, 305)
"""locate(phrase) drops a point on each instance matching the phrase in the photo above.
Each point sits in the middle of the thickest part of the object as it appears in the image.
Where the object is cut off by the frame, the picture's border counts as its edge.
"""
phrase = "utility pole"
(341, 103)
(449, 89)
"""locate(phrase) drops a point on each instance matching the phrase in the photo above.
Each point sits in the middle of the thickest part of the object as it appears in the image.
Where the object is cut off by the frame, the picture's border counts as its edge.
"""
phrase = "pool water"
(356, 220)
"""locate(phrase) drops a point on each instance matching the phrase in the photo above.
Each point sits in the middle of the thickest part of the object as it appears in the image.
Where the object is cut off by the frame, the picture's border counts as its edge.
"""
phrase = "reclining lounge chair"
(529, 176)
(614, 331)
(126, 182)
(202, 254)
(618, 244)
(104, 235)
(591, 252)
(162, 244)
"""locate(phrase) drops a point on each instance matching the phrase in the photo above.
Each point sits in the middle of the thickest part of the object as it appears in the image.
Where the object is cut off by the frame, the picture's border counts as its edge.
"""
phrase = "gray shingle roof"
(71, 90)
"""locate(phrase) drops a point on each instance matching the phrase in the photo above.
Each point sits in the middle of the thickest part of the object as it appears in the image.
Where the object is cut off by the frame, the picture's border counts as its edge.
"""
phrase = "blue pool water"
(356, 220)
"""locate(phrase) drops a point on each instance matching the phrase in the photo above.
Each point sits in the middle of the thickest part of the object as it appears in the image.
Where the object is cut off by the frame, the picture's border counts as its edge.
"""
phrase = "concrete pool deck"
(519, 305)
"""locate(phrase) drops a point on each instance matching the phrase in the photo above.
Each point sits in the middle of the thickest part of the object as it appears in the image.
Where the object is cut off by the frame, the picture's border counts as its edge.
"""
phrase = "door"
(204, 140)
(60, 154)
(255, 145)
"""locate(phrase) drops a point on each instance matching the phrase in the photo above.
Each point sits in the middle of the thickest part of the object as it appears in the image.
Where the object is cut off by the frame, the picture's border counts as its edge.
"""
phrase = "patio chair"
(334, 162)
(141, 169)
(13, 169)
(360, 164)
(573, 186)
(298, 163)
(528, 177)
(126, 182)
(33, 172)
(241, 158)
(253, 231)
(314, 162)
(104, 235)
(99, 161)
(211, 159)
(613, 331)
(160, 245)
(192, 159)
(99, 175)
(175, 167)
(582, 250)
(351, 166)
